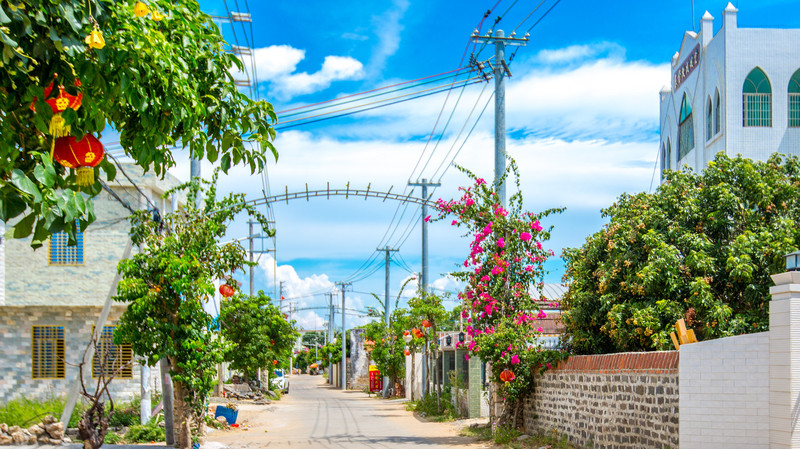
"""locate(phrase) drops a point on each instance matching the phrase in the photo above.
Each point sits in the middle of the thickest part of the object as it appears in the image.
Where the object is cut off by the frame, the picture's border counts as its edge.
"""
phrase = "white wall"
(417, 386)
(724, 393)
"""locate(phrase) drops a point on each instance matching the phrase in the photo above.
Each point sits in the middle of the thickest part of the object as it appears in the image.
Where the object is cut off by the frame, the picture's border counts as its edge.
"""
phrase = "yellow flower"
(95, 39)
(140, 9)
(157, 16)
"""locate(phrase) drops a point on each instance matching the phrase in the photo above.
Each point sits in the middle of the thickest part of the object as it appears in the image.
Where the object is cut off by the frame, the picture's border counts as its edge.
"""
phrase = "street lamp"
(792, 261)
(449, 340)
(461, 337)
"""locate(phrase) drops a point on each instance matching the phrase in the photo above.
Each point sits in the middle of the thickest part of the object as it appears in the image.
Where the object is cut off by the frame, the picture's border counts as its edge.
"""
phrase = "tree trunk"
(411, 387)
(182, 418)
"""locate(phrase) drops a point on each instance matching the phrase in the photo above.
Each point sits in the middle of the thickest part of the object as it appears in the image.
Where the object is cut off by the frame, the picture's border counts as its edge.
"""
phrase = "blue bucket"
(229, 414)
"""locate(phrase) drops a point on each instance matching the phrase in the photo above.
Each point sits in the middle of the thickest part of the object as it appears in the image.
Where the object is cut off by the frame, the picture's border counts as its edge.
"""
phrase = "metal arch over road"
(346, 192)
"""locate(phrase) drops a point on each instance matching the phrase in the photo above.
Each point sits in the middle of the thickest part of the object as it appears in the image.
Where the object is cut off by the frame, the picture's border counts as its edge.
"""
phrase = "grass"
(429, 407)
(507, 437)
(26, 412)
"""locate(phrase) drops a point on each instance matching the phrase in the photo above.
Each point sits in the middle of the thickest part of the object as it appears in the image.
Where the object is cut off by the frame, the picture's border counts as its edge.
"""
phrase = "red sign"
(686, 68)
(375, 379)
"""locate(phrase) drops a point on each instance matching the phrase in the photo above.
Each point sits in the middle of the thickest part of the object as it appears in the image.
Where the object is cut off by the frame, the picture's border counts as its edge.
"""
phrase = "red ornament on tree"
(426, 323)
(226, 290)
(507, 376)
(82, 154)
(407, 352)
(274, 362)
(58, 104)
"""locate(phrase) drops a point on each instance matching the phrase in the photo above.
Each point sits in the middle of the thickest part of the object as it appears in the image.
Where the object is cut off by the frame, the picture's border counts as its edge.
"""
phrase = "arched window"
(709, 124)
(794, 100)
(685, 129)
(663, 157)
(668, 156)
(756, 99)
(717, 114)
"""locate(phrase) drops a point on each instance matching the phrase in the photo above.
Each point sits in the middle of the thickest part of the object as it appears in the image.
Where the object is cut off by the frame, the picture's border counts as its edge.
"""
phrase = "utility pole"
(344, 286)
(423, 282)
(387, 310)
(330, 334)
(500, 70)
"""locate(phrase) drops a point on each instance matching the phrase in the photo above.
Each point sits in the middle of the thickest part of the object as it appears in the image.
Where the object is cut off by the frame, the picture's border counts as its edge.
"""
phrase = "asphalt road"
(316, 415)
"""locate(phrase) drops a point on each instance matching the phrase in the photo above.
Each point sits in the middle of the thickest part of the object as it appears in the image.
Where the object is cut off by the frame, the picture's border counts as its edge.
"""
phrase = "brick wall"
(616, 401)
(15, 372)
(724, 397)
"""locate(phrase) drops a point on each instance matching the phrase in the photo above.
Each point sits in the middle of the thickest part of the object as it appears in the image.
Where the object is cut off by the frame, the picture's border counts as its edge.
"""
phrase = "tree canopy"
(701, 247)
(161, 79)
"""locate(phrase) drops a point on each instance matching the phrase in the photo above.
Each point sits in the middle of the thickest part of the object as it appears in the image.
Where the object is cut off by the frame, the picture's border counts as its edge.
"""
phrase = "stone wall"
(16, 324)
(615, 401)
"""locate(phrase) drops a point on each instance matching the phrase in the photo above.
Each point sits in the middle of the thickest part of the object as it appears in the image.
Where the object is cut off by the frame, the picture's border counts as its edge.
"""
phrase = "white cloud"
(388, 35)
(295, 287)
(575, 53)
(334, 68)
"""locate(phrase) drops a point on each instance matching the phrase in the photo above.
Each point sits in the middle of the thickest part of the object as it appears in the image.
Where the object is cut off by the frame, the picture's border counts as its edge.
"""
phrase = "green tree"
(701, 247)
(259, 333)
(165, 285)
(159, 83)
(504, 265)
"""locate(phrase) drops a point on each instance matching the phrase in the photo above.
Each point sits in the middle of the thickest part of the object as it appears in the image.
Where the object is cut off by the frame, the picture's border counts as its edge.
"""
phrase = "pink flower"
(539, 329)
(501, 243)
(541, 314)
(525, 236)
(549, 366)
(536, 226)
(514, 359)
(485, 278)
(480, 181)
(469, 202)
(428, 218)
(454, 222)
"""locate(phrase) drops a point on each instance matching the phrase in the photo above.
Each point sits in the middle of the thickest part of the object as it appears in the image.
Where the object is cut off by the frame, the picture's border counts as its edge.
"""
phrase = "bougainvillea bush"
(504, 267)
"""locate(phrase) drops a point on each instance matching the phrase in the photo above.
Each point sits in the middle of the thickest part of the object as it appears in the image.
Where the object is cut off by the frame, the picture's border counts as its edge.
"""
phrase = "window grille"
(685, 129)
(61, 253)
(111, 359)
(757, 109)
(47, 352)
(794, 110)
(756, 99)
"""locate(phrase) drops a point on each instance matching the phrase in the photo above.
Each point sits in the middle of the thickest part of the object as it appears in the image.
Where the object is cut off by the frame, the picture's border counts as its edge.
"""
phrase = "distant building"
(50, 298)
(736, 92)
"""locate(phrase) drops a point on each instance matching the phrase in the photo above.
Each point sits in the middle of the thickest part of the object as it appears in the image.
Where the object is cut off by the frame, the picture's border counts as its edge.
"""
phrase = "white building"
(736, 91)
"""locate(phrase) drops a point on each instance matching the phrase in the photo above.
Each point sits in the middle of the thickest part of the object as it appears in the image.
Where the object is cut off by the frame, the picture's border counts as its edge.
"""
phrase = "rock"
(44, 439)
(32, 439)
(271, 394)
(5, 439)
(222, 419)
(36, 429)
(4, 428)
(55, 430)
(19, 437)
(13, 429)
(49, 419)
(66, 440)
(523, 437)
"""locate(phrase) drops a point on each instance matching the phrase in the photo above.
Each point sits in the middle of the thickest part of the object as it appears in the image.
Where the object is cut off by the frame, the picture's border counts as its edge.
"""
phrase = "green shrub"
(113, 438)
(26, 412)
(430, 407)
(126, 414)
(145, 433)
(505, 434)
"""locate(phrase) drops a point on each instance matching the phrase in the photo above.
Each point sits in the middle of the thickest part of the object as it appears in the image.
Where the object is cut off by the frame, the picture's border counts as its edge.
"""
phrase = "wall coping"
(659, 361)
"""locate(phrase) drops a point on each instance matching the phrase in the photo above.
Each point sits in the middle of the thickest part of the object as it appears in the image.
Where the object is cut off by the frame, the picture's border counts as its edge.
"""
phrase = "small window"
(756, 99)
(110, 359)
(61, 253)
(794, 100)
(717, 114)
(709, 120)
(669, 156)
(685, 129)
(47, 352)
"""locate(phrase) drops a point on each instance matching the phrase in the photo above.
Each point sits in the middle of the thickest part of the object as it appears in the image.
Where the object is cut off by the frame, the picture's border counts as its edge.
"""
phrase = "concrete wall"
(16, 368)
(724, 393)
(609, 401)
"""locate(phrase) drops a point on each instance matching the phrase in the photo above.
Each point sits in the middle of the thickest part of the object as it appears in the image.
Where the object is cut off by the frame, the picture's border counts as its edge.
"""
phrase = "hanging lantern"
(407, 336)
(58, 104)
(507, 376)
(426, 323)
(274, 362)
(226, 290)
(83, 155)
(406, 352)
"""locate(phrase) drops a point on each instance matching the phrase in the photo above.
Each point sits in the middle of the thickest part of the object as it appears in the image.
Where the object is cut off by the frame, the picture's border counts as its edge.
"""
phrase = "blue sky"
(582, 119)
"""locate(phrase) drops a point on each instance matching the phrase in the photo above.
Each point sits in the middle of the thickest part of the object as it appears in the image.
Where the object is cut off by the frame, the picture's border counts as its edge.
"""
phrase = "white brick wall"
(724, 393)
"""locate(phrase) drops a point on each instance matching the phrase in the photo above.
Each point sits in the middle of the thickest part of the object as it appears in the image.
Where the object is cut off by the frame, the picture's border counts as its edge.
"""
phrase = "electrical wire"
(528, 16)
(458, 136)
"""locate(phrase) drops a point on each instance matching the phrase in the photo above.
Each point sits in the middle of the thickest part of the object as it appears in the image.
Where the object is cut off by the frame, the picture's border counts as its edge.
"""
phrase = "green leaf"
(23, 228)
(45, 175)
(23, 183)
(3, 17)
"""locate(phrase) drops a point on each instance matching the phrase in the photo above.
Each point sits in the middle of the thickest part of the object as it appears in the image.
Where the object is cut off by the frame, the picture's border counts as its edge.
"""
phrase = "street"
(316, 415)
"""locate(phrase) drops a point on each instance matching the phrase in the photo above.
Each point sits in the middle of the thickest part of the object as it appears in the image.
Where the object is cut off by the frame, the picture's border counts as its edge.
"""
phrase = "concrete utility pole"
(500, 70)
(423, 282)
(344, 286)
(330, 334)
(387, 309)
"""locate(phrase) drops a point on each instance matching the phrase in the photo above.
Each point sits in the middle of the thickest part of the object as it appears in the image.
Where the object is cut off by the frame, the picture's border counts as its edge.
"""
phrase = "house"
(51, 298)
(736, 92)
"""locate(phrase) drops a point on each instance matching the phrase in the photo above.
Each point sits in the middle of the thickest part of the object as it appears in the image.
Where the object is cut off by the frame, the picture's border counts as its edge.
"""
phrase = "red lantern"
(426, 323)
(407, 352)
(226, 290)
(507, 376)
(83, 155)
(274, 362)
(59, 104)
(405, 333)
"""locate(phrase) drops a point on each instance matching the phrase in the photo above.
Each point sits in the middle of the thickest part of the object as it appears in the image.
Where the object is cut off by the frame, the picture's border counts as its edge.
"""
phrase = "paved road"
(315, 415)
